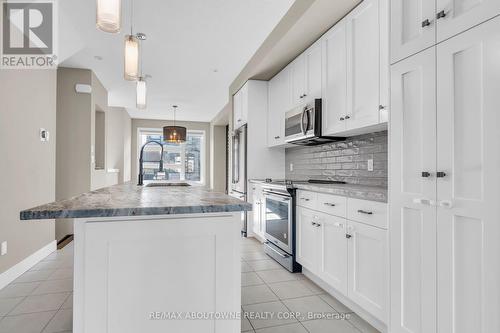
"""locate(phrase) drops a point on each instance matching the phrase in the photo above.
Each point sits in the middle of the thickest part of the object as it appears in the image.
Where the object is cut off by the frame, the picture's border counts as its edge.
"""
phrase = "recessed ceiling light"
(97, 57)
(215, 70)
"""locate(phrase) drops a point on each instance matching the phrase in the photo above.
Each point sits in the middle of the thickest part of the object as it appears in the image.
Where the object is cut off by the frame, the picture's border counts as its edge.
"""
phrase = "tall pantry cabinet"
(445, 174)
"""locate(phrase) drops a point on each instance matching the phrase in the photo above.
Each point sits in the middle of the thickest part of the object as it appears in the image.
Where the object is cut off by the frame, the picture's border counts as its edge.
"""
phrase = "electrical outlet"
(3, 250)
(370, 165)
(291, 166)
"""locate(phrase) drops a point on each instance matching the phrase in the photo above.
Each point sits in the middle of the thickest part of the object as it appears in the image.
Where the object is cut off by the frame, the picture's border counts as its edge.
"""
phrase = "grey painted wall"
(28, 168)
(345, 160)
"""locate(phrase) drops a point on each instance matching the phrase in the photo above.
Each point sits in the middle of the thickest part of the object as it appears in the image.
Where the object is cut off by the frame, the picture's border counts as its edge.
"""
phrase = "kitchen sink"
(166, 184)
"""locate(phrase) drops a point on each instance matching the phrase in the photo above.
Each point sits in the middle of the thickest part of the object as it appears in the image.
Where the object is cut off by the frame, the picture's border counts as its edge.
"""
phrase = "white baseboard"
(17, 270)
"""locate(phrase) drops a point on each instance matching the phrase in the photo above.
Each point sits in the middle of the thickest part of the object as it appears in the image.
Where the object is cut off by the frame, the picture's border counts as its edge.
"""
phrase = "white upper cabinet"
(413, 27)
(334, 79)
(240, 107)
(314, 71)
(298, 79)
(363, 62)
(419, 24)
(356, 70)
(456, 16)
(279, 103)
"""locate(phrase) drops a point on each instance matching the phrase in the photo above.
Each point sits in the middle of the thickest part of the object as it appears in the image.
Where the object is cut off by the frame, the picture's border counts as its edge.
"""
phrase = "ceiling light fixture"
(132, 49)
(174, 134)
(141, 93)
(109, 15)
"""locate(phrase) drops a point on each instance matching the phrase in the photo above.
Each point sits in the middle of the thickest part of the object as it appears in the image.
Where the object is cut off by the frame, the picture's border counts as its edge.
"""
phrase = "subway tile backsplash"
(345, 160)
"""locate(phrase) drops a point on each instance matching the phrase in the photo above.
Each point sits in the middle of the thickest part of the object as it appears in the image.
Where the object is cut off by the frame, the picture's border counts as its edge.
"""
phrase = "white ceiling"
(187, 41)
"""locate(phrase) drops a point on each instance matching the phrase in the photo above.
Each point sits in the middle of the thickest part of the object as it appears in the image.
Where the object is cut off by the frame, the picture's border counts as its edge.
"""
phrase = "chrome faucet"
(140, 181)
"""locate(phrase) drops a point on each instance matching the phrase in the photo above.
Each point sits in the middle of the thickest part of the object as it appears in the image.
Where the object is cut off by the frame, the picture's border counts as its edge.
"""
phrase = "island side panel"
(132, 274)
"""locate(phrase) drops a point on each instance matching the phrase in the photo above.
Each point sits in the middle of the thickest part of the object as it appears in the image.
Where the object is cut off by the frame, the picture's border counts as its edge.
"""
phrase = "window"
(185, 161)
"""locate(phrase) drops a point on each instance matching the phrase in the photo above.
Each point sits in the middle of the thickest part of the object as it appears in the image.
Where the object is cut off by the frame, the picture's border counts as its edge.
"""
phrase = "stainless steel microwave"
(303, 125)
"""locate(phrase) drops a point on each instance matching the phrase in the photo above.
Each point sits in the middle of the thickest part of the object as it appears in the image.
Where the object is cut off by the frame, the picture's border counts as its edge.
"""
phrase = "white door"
(333, 251)
(468, 191)
(307, 239)
(363, 63)
(312, 58)
(413, 222)
(413, 27)
(334, 79)
(279, 96)
(298, 73)
(367, 266)
(454, 17)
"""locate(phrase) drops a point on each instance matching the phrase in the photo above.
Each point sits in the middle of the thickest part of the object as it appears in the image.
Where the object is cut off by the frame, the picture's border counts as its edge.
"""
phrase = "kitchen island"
(153, 259)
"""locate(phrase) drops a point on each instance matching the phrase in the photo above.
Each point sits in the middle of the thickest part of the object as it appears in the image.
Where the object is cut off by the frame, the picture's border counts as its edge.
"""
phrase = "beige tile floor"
(41, 300)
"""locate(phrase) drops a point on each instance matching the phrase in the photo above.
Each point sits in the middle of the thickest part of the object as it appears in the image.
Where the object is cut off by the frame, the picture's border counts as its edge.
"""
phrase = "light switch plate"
(3, 250)
(370, 165)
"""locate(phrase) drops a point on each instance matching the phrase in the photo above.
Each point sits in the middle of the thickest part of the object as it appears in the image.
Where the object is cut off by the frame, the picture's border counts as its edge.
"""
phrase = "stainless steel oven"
(278, 217)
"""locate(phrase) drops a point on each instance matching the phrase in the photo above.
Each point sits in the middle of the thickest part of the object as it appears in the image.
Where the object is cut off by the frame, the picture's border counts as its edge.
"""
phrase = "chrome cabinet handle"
(361, 211)
(426, 174)
(329, 204)
(277, 137)
(348, 236)
(313, 223)
(342, 119)
(426, 23)
(441, 14)
(305, 199)
(446, 204)
(441, 174)
(347, 117)
(318, 225)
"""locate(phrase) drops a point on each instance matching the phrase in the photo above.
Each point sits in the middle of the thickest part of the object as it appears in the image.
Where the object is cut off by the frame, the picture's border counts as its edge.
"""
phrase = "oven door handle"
(279, 196)
(276, 251)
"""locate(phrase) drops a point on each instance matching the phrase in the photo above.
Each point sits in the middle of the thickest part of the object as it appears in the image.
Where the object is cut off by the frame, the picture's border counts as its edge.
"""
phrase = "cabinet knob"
(348, 236)
(342, 119)
(381, 107)
(277, 137)
(441, 174)
(304, 95)
(426, 23)
(441, 14)
(426, 174)
(347, 117)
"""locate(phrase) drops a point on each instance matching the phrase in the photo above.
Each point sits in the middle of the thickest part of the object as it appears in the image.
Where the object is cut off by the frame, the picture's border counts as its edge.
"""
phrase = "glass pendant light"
(131, 54)
(109, 15)
(174, 134)
(141, 93)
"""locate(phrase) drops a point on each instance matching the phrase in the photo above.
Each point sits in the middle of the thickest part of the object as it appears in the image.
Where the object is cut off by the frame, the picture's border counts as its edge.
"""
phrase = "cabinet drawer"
(369, 212)
(332, 204)
(307, 199)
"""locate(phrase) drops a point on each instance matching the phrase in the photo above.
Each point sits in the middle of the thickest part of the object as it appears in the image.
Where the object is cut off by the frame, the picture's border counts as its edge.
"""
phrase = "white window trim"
(144, 130)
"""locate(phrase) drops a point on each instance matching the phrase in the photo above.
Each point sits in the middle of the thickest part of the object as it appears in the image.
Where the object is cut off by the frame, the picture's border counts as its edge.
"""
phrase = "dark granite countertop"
(131, 200)
(364, 192)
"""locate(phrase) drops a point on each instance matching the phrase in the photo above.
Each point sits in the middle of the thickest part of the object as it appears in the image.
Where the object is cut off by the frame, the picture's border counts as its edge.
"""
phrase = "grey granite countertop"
(131, 200)
(364, 192)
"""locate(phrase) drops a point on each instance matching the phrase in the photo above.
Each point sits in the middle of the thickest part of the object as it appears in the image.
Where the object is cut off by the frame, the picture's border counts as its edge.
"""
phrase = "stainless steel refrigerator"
(239, 170)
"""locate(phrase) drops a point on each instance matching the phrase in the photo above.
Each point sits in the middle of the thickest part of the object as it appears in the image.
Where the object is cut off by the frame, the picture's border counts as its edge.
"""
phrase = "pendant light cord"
(131, 17)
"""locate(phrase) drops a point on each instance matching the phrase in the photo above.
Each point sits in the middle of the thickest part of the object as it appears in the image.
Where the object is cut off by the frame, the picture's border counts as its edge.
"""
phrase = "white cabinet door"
(279, 99)
(367, 277)
(413, 222)
(312, 59)
(468, 193)
(413, 27)
(460, 15)
(237, 110)
(256, 213)
(363, 63)
(298, 74)
(307, 239)
(333, 253)
(334, 79)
